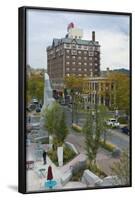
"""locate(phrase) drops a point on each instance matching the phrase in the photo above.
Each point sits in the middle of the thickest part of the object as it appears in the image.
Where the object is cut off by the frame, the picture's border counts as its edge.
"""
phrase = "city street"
(114, 136)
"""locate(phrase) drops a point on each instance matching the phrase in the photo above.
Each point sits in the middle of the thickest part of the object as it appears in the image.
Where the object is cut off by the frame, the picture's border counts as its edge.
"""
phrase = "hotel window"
(67, 57)
(79, 46)
(85, 58)
(96, 64)
(73, 69)
(85, 70)
(74, 52)
(67, 63)
(67, 51)
(73, 63)
(73, 46)
(85, 47)
(90, 64)
(79, 69)
(67, 45)
(79, 75)
(85, 63)
(79, 52)
(95, 58)
(91, 53)
(79, 58)
(96, 48)
(73, 57)
(91, 48)
(79, 63)
(90, 58)
(85, 52)
(68, 74)
(67, 68)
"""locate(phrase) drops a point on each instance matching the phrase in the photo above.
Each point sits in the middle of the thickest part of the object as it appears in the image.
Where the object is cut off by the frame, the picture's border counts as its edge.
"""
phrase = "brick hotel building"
(72, 55)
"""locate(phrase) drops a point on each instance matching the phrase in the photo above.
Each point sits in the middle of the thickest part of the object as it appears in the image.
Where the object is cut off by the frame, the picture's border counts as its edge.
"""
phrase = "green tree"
(55, 123)
(61, 131)
(122, 169)
(93, 129)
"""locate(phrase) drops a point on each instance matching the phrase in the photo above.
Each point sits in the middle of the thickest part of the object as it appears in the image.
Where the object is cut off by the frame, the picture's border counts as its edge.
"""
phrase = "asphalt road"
(115, 136)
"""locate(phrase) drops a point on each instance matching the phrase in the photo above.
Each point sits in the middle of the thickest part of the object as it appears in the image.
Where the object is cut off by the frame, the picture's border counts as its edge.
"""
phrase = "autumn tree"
(74, 83)
(122, 90)
(35, 87)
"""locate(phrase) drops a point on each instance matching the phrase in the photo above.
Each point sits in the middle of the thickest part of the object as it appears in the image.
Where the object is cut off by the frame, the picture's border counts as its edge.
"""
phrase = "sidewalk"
(35, 182)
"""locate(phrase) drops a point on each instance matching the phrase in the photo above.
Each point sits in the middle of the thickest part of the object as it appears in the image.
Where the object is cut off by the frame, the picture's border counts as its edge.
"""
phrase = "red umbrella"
(49, 174)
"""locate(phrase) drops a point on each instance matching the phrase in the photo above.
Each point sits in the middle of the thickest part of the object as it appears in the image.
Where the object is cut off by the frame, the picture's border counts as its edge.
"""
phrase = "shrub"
(108, 146)
(76, 128)
(122, 120)
(96, 170)
(68, 155)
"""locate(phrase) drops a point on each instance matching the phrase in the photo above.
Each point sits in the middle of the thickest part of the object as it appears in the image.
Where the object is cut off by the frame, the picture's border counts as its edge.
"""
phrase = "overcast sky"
(112, 32)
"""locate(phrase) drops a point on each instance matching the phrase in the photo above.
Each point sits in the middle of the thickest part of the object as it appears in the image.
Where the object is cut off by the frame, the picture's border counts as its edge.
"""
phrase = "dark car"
(125, 130)
(38, 109)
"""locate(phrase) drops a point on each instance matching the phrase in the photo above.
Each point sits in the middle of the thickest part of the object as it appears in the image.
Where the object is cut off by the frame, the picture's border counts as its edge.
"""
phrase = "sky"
(112, 32)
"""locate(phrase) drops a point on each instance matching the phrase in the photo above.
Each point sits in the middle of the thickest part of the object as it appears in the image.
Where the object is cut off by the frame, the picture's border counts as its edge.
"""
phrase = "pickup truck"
(113, 123)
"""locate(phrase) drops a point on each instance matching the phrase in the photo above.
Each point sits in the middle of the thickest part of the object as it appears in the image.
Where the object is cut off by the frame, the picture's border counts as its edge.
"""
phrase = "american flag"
(71, 25)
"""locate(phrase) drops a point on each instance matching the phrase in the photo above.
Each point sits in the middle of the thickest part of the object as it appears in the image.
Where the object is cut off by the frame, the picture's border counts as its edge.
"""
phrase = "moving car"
(113, 123)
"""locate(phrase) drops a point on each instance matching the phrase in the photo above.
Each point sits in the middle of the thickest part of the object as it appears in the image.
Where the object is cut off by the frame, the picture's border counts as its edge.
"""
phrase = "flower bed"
(76, 128)
(108, 146)
(68, 154)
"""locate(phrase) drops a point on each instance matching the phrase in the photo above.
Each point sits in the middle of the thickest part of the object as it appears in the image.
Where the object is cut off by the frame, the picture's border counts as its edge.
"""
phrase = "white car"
(113, 123)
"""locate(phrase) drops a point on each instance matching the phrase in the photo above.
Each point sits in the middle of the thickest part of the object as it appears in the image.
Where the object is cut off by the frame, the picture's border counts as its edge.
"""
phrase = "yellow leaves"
(74, 82)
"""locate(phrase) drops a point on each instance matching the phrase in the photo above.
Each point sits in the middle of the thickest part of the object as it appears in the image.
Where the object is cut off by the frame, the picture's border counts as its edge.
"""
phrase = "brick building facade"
(72, 55)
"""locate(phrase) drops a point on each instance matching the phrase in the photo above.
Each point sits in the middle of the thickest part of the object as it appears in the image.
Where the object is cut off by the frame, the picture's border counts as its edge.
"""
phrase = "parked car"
(113, 123)
(35, 126)
(125, 130)
(35, 101)
(38, 109)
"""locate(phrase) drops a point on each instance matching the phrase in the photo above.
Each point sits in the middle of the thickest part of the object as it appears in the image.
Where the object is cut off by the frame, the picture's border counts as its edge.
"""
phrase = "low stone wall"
(66, 177)
(71, 146)
(90, 178)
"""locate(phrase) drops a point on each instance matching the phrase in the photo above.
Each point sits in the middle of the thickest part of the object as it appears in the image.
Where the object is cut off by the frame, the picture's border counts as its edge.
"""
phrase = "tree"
(93, 129)
(122, 90)
(35, 87)
(55, 123)
(74, 83)
(61, 131)
(122, 169)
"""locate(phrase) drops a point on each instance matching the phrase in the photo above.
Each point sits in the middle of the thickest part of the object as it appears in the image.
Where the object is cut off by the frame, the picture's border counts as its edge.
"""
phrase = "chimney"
(93, 36)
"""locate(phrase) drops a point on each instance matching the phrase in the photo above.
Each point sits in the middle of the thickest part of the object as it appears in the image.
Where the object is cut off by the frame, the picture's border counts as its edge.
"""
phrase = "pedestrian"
(44, 157)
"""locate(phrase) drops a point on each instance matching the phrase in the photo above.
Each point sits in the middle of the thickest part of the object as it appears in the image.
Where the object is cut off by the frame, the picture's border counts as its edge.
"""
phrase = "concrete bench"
(66, 177)
(90, 178)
